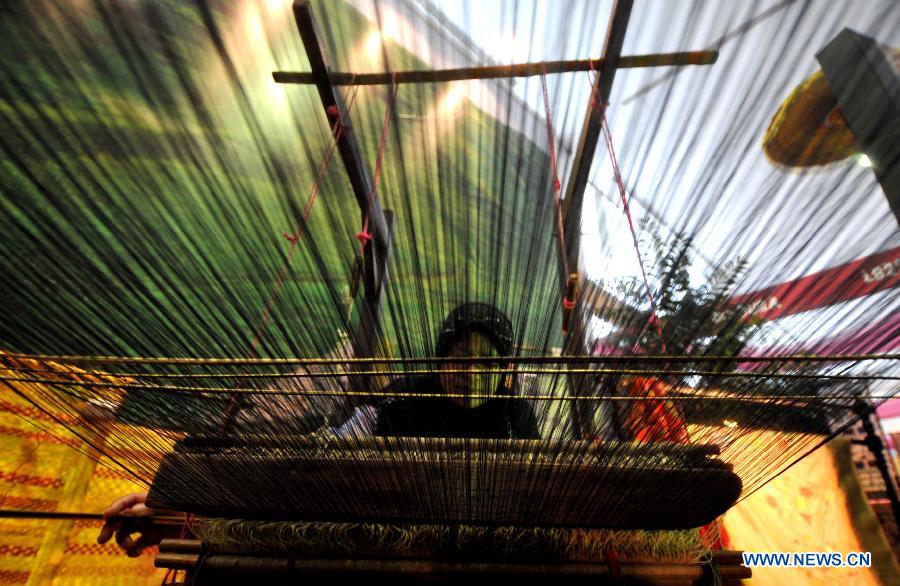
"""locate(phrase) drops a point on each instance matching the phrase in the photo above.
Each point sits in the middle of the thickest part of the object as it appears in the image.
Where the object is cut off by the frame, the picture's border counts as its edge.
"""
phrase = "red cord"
(654, 318)
(294, 237)
(557, 186)
(364, 236)
(612, 560)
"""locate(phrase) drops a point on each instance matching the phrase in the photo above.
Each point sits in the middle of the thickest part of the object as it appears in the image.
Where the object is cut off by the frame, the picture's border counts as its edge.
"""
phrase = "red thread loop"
(364, 236)
(569, 303)
(292, 238)
(337, 124)
(594, 102)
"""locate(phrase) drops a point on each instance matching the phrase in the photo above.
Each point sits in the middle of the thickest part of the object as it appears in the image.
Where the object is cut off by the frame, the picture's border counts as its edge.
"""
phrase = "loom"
(264, 212)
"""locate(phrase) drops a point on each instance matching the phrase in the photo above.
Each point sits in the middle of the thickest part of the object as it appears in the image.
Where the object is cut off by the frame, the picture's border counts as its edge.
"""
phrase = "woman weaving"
(479, 407)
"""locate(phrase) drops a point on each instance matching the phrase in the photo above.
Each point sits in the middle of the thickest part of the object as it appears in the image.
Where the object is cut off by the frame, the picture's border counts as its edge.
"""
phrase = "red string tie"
(556, 185)
(569, 303)
(364, 237)
(292, 238)
(334, 115)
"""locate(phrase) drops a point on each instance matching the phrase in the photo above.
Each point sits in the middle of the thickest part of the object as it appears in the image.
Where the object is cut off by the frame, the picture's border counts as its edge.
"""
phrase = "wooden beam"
(499, 71)
(211, 568)
(867, 87)
(377, 250)
(375, 271)
(592, 127)
(339, 120)
(578, 180)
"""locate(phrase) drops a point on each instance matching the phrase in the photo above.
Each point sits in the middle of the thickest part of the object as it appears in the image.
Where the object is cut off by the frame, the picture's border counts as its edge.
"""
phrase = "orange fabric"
(662, 420)
(653, 421)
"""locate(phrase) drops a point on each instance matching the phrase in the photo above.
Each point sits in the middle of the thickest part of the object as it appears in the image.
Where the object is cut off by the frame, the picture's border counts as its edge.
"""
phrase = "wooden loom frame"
(191, 555)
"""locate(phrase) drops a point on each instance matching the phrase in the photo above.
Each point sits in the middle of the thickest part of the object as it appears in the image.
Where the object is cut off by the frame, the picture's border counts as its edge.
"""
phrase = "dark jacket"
(440, 417)
(502, 417)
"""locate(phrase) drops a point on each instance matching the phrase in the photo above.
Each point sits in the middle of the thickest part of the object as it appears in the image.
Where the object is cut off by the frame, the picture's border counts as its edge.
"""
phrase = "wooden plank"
(499, 71)
(592, 127)
(380, 223)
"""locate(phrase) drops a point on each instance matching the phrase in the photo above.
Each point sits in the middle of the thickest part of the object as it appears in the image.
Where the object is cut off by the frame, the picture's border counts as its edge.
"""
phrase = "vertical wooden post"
(581, 168)
(873, 442)
(376, 251)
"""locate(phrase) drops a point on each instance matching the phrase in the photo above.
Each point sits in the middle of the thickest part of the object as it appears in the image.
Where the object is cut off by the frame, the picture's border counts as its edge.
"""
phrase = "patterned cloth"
(43, 467)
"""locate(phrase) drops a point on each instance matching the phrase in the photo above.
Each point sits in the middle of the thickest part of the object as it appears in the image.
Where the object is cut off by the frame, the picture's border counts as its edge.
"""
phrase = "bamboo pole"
(498, 71)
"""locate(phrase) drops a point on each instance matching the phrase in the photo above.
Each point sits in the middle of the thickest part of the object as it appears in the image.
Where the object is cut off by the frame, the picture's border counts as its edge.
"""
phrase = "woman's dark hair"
(479, 317)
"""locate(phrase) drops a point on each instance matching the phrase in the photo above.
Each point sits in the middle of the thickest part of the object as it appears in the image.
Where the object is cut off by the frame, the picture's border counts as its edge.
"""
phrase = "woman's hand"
(131, 521)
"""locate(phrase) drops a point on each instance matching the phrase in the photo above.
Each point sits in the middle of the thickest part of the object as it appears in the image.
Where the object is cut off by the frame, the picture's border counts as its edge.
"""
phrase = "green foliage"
(693, 319)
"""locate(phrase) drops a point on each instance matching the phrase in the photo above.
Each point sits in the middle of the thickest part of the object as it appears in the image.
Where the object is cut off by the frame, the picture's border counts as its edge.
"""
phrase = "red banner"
(852, 280)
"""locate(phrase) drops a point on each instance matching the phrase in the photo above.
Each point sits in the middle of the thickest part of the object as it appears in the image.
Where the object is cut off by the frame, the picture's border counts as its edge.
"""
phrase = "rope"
(364, 236)
(557, 186)
(654, 318)
(338, 129)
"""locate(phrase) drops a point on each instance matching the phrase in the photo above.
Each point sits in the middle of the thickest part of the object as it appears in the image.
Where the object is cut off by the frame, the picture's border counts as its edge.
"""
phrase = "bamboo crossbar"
(499, 71)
